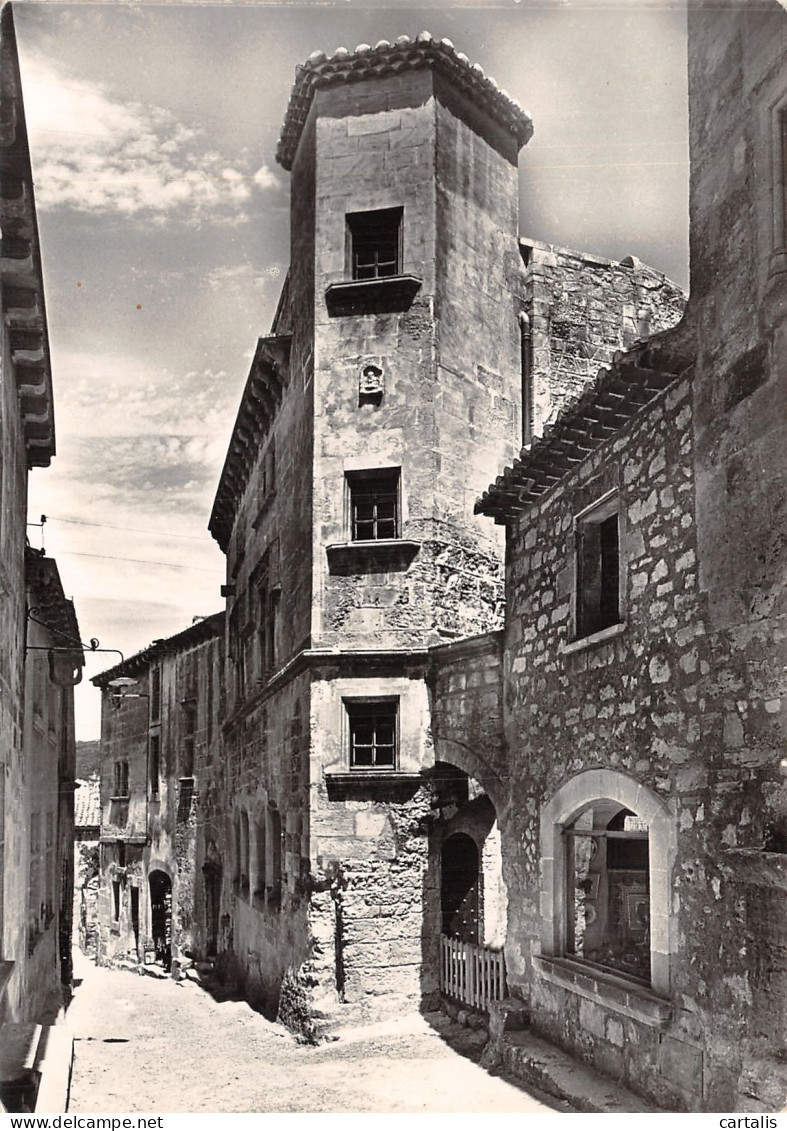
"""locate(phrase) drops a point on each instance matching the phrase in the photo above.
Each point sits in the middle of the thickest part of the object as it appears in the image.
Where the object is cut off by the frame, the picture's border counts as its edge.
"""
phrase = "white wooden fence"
(474, 974)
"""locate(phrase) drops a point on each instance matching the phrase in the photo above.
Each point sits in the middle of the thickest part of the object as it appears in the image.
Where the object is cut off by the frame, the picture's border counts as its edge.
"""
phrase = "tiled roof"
(87, 803)
(386, 58)
(635, 377)
(202, 629)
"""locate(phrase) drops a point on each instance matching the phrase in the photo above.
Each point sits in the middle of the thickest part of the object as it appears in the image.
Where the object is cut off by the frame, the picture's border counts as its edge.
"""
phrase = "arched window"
(607, 847)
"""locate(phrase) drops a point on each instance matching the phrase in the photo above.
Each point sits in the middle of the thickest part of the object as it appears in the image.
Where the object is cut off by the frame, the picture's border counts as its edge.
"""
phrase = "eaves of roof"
(268, 377)
(635, 377)
(24, 310)
(196, 633)
(405, 54)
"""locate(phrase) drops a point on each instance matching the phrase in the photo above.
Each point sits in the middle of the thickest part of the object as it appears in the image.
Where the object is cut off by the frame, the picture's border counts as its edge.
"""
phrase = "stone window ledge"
(372, 296)
(370, 777)
(362, 557)
(380, 784)
(595, 638)
(609, 990)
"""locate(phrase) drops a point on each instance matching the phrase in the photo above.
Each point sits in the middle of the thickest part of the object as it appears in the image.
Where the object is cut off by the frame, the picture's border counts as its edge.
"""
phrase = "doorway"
(134, 895)
(161, 917)
(212, 879)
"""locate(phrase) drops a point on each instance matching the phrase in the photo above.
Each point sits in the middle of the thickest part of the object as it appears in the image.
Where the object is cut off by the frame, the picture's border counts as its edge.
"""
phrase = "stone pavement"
(154, 1046)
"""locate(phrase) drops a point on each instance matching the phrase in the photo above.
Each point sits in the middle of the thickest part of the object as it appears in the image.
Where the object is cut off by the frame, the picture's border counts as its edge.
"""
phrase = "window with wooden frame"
(155, 694)
(267, 600)
(608, 889)
(121, 779)
(374, 504)
(189, 729)
(373, 733)
(374, 242)
(273, 854)
(598, 572)
(154, 758)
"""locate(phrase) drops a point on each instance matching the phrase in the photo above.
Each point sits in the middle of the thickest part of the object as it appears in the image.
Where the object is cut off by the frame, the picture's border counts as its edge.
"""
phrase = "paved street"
(149, 1045)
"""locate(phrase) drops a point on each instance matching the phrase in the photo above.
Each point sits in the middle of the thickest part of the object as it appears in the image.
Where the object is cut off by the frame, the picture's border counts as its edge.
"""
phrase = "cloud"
(93, 153)
(264, 178)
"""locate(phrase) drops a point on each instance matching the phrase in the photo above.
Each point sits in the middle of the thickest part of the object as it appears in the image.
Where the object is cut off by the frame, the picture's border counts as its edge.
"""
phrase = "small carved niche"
(371, 384)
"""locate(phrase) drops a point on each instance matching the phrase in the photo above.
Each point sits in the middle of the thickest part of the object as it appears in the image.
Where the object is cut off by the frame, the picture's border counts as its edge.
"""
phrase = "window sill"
(372, 296)
(367, 557)
(595, 638)
(363, 783)
(617, 993)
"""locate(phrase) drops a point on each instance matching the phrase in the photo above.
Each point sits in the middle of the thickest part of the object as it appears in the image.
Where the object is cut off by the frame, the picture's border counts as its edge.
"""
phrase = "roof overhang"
(618, 394)
(267, 380)
(21, 277)
(402, 56)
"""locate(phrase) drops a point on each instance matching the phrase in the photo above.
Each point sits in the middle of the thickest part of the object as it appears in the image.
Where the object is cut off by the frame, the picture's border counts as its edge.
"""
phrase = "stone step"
(539, 1064)
(35, 1067)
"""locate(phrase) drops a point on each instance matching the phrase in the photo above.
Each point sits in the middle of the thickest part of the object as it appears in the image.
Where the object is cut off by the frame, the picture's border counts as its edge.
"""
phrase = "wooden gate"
(473, 974)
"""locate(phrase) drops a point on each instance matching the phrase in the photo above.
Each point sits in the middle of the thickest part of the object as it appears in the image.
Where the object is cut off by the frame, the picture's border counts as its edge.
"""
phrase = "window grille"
(373, 728)
(375, 243)
(374, 506)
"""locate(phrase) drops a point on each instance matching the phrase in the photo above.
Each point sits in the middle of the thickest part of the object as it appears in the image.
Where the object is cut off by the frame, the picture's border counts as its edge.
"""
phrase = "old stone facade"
(159, 740)
(391, 385)
(573, 762)
(41, 657)
(641, 677)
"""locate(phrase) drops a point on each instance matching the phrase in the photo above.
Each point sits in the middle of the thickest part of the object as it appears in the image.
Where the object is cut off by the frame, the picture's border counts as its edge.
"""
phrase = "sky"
(164, 224)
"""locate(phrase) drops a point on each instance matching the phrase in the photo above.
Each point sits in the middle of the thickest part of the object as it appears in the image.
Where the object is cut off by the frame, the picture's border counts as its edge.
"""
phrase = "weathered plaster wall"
(13, 514)
(738, 305)
(265, 933)
(124, 737)
(34, 850)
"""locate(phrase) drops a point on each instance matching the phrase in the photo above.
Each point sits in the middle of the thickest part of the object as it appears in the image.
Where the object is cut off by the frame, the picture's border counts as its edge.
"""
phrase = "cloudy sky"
(164, 230)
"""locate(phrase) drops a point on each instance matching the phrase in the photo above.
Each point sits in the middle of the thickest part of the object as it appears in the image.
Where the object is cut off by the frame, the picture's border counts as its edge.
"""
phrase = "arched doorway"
(460, 888)
(161, 916)
(211, 874)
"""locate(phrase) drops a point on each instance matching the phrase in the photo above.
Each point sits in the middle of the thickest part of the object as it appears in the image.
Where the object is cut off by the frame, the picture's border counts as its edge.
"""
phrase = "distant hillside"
(88, 758)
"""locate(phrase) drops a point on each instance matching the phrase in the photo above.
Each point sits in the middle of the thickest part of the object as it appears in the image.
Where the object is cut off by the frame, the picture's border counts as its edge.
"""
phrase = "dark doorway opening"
(134, 894)
(212, 877)
(460, 888)
(161, 917)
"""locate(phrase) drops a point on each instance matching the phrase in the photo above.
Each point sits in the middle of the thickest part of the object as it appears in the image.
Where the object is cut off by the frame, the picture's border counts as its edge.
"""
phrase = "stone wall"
(265, 934)
(738, 308)
(448, 356)
(631, 704)
(582, 310)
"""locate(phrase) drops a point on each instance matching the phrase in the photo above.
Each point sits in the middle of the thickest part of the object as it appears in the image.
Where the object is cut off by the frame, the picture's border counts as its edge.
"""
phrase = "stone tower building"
(389, 390)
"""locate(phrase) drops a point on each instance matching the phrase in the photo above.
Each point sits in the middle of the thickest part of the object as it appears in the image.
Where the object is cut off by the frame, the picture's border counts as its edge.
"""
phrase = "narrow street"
(151, 1045)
